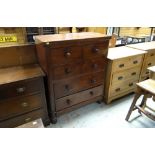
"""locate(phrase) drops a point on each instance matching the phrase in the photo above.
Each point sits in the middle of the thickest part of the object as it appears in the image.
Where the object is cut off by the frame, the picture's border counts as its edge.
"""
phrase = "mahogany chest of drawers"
(124, 70)
(75, 65)
(149, 59)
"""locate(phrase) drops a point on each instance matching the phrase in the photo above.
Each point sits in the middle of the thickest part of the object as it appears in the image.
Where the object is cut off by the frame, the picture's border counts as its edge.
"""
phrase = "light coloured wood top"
(122, 52)
(152, 69)
(143, 46)
(13, 74)
(69, 36)
(148, 85)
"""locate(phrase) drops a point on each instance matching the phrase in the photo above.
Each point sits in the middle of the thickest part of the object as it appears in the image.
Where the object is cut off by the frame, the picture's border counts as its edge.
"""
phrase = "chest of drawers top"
(123, 52)
(146, 46)
(19, 73)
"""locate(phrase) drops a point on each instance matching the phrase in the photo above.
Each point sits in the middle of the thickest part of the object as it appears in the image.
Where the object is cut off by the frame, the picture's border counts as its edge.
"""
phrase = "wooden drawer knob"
(68, 101)
(21, 89)
(24, 104)
(94, 66)
(120, 77)
(152, 54)
(91, 93)
(121, 65)
(134, 73)
(67, 54)
(147, 72)
(67, 70)
(67, 87)
(135, 62)
(96, 50)
(149, 64)
(93, 81)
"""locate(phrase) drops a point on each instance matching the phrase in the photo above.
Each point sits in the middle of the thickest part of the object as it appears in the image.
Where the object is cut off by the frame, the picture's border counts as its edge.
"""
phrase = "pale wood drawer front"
(71, 100)
(118, 89)
(126, 63)
(126, 75)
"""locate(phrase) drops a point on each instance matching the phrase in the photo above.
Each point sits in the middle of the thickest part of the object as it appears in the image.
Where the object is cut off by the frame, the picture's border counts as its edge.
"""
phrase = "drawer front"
(120, 88)
(78, 97)
(16, 121)
(20, 105)
(126, 75)
(126, 63)
(96, 50)
(65, 55)
(66, 71)
(151, 54)
(94, 65)
(20, 88)
(68, 86)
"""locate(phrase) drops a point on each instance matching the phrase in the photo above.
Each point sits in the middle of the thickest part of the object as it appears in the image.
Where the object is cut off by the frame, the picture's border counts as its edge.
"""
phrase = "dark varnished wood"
(73, 63)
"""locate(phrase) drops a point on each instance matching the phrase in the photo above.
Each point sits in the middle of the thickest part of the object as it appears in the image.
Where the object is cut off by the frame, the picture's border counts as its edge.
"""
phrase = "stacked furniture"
(149, 59)
(124, 69)
(75, 65)
(22, 94)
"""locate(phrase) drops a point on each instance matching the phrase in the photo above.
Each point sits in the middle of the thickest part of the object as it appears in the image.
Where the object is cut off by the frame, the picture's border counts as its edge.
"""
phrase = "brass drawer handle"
(67, 54)
(67, 71)
(91, 93)
(134, 73)
(120, 77)
(121, 65)
(21, 89)
(149, 64)
(135, 62)
(152, 54)
(117, 90)
(24, 104)
(68, 101)
(130, 84)
(27, 119)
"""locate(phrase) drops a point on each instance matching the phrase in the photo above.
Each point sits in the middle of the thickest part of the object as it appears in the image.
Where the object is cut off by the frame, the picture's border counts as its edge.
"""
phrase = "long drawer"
(73, 85)
(69, 70)
(77, 98)
(13, 107)
(126, 63)
(122, 76)
(16, 121)
(61, 56)
(118, 89)
(19, 88)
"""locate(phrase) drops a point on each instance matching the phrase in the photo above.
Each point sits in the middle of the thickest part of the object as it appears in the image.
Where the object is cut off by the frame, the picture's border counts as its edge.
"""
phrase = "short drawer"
(16, 121)
(77, 98)
(20, 105)
(98, 64)
(151, 53)
(19, 88)
(122, 76)
(73, 85)
(120, 88)
(95, 50)
(126, 63)
(66, 71)
(61, 56)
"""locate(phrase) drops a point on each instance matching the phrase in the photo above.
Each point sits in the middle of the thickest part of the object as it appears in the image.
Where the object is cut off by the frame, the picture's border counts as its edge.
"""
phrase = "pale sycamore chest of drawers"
(75, 65)
(124, 68)
(149, 59)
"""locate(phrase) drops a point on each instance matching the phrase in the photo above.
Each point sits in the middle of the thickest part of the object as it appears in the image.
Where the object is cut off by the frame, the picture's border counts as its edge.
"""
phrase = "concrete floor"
(104, 116)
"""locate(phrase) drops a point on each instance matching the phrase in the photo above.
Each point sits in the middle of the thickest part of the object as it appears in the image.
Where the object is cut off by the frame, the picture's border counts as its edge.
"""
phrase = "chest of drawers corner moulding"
(124, 69)
(75, 65)
(149, 58)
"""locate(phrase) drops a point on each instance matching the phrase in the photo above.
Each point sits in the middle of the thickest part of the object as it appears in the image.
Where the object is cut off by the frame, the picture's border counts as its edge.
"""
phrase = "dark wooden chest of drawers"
(22, 95)
(75, 65)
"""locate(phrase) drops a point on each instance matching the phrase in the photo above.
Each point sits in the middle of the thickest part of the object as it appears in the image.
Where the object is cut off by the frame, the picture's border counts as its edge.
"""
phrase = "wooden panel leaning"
(75, 65)
(22, 94)
(124, 67)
